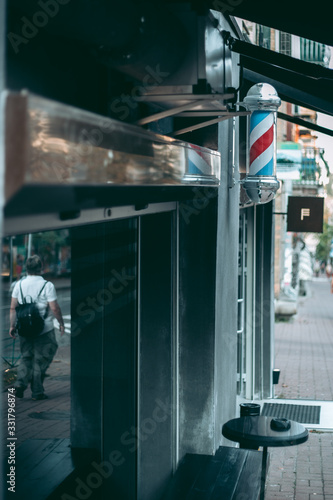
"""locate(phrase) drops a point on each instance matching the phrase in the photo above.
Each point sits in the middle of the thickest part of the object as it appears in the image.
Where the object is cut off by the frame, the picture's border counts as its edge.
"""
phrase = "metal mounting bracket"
(189, 105)
(207, 123)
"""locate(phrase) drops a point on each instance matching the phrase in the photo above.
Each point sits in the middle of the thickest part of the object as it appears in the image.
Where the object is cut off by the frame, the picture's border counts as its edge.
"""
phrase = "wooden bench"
(231, 474)
(48, 468)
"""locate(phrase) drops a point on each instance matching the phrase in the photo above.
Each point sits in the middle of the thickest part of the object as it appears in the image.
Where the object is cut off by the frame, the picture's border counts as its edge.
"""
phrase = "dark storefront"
(171, 274)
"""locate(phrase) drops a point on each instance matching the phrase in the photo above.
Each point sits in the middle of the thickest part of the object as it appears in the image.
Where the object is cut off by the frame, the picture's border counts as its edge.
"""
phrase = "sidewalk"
(49, 418)
(304, 354)
(304, 347)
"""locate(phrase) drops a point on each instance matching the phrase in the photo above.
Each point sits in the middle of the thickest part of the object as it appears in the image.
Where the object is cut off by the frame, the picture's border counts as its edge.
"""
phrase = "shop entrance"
(120, 315)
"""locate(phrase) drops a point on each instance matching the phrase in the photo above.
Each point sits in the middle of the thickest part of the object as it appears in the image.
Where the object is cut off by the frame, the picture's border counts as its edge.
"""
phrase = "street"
(304, 354)
(304, 347)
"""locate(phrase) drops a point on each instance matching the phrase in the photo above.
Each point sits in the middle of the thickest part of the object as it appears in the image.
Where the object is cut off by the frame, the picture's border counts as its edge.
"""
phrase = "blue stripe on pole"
(257, 117)
(267, 169)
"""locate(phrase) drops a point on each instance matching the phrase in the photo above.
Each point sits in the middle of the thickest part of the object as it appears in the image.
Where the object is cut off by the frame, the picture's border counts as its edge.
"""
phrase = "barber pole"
(261, 143)
(260, 182)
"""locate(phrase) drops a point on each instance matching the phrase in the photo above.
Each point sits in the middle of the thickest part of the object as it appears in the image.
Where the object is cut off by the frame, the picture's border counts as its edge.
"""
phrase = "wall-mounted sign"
(305, 214)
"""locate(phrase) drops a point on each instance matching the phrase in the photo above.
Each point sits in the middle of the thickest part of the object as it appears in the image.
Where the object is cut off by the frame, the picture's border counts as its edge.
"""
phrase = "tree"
(324, 245)
(47, 244)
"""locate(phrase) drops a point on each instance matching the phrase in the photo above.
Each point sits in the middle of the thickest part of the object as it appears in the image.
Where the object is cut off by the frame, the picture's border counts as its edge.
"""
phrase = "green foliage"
(51, 238)
(329, 187)
(46, 245)
(324, 245)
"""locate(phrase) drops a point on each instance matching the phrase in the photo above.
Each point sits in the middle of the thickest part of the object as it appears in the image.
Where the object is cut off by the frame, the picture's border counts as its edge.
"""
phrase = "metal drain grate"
(304, 414)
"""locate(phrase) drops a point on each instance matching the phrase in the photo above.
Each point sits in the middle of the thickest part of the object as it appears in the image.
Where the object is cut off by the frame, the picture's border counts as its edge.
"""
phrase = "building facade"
(124, 129)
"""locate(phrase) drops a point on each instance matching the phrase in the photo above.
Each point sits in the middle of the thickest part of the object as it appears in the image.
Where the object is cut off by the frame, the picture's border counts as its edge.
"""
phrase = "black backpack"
(29, 322)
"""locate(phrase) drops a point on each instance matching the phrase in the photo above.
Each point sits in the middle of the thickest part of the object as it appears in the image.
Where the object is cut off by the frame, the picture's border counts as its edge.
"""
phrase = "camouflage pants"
(36, 356)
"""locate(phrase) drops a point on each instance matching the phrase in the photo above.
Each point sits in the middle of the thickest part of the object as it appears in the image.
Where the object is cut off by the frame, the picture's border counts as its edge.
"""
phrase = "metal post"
(3, 38)
(29, 244)
(263, 473)
(11, 260)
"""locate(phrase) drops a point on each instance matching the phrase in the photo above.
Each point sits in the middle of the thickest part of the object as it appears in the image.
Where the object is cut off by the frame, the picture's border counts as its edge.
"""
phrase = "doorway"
(118, 395)
(124, 351)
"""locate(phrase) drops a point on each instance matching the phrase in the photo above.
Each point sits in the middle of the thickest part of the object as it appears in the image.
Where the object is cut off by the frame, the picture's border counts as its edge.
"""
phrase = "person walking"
(316, 268)
(36, 353)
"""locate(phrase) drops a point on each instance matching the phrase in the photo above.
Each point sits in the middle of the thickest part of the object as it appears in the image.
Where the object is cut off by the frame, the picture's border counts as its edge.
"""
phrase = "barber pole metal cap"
(262, 96)
(261, 183)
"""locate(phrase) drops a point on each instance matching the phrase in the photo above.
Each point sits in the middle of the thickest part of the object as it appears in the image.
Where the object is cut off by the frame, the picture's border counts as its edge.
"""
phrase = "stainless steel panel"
(32, 223)
(50, 143)
(208, 60)
(215, 60)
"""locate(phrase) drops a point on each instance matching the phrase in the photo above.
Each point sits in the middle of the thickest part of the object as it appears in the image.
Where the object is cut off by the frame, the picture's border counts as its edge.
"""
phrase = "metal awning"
(291, 87)
(313, 22)
(299, 82)
(305, 123)
(76, 156)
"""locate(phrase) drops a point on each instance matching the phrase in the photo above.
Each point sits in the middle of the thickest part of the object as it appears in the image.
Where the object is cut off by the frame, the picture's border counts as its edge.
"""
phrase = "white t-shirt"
(31, 285)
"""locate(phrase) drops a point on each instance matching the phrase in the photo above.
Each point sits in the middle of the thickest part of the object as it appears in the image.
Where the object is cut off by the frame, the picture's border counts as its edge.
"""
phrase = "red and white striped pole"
(260, 182)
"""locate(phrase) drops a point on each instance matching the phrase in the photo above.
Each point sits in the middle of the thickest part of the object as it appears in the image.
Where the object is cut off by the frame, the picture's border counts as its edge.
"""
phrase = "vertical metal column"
(263, 305)
(175, 247)
(2, 172)
(250, 305)
(155, 398)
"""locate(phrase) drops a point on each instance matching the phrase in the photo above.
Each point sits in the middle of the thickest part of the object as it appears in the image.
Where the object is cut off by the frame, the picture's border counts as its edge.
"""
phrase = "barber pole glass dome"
(260, 182)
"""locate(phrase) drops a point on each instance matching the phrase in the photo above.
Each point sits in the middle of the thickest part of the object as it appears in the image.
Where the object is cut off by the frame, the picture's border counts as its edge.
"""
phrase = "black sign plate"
(305, 214)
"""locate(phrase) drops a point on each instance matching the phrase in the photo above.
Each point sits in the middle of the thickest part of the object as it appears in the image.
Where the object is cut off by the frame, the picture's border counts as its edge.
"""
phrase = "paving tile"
(296, 472)
(304, 354)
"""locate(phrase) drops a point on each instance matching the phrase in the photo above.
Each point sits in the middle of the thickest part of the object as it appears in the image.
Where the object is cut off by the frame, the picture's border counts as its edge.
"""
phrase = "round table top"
(257, 431)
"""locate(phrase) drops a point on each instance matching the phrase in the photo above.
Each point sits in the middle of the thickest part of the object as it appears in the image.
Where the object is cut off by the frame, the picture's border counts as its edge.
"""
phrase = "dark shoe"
(39, 397)
(19, 392)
